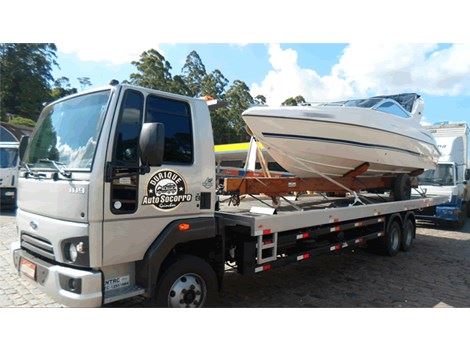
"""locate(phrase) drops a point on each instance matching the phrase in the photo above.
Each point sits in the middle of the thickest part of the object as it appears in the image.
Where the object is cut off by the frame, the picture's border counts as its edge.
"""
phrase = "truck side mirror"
(467, 174)
(152, 143)
(23, 144)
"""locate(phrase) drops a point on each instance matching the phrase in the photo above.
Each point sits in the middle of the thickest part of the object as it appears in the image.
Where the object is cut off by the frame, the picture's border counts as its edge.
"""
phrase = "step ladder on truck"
(133, 206)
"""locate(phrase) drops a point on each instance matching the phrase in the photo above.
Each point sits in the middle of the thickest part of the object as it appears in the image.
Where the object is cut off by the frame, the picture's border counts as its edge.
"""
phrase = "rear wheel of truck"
(401, 188)
(189, 282)
(389, 244)
(409, 232)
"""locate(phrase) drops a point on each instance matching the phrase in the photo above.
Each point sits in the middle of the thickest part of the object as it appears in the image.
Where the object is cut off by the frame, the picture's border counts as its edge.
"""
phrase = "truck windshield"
(8, 157)
(68, 131)
(443, 175)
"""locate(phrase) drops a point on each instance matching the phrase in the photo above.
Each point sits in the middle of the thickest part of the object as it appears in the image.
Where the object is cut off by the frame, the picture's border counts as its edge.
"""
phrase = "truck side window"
(124, 187)
(128, 129)
(176, 116)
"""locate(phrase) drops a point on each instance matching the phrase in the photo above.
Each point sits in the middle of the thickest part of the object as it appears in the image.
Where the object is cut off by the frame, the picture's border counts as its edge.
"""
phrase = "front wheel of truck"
(189, 282)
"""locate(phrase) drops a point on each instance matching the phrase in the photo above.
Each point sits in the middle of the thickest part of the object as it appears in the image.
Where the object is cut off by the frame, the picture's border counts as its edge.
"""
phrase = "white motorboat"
(335, 138)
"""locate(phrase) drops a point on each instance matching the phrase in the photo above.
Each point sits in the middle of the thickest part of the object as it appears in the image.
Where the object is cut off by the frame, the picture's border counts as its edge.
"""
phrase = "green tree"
(239, 99)
(193, 72)
(62, 88)
(260, 100)
(178, 85)
(154, 72)
(213, 84)
(84, 82)
(26, 75)
(23, 121)
(298, 100)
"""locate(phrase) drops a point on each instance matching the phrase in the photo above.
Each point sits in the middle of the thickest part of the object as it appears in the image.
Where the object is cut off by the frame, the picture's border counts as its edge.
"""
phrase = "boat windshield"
(443, 175)
(403, 102)
(8, 157)
(67, 132)
(363, 103)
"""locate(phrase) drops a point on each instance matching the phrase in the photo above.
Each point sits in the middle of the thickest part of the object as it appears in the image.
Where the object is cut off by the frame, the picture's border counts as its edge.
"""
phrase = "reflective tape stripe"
(303, 256)
(263, 268)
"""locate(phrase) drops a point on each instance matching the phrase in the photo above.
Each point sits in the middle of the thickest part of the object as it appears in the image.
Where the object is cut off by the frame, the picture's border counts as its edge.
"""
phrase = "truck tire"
(389, 244)
(189, 282)
(401, 188)
(409, 233)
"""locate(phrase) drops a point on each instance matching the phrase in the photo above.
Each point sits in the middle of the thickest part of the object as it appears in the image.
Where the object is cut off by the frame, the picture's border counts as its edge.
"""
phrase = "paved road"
(435, 273)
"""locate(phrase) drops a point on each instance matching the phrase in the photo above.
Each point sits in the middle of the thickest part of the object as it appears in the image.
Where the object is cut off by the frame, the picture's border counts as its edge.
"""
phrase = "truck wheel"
(390, 243)
(401, 188)
(190, 282)
(409, 232)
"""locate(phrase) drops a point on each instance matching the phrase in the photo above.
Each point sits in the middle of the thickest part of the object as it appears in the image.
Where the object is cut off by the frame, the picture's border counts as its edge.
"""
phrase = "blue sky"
(317, 71)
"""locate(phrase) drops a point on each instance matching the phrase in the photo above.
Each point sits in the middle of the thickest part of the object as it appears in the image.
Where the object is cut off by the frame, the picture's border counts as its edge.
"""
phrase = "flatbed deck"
(312, 211)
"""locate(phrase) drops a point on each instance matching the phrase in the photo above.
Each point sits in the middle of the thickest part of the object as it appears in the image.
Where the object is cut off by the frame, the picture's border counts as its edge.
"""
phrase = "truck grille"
(39, 246)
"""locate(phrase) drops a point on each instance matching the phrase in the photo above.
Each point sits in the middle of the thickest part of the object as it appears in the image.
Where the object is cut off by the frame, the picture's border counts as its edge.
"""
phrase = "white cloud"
(366, 69)
(107, 51)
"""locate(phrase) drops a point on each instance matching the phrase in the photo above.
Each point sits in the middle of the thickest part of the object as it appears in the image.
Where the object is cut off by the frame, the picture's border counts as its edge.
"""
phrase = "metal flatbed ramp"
(315, 213)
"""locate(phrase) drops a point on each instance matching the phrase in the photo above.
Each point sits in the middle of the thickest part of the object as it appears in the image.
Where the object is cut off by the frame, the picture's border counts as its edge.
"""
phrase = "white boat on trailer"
(335, 138)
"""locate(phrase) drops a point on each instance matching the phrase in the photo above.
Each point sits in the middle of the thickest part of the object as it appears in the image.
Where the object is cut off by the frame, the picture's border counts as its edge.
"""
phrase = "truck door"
(139, 206)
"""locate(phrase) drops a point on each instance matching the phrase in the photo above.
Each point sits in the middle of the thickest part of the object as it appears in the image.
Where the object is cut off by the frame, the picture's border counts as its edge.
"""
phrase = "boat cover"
(406, 99)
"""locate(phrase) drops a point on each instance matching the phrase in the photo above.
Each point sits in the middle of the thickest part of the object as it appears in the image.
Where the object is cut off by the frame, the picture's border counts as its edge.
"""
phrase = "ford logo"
(34, 225)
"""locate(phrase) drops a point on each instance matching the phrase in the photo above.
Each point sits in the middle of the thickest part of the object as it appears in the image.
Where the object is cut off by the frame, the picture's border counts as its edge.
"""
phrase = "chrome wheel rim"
(188, 291)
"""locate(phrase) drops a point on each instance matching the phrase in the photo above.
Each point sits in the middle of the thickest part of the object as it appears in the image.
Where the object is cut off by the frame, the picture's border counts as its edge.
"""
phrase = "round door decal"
(166, 190)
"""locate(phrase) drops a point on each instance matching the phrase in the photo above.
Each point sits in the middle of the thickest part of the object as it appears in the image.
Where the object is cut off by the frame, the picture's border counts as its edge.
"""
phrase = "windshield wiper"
(60, 168)
(31, 172)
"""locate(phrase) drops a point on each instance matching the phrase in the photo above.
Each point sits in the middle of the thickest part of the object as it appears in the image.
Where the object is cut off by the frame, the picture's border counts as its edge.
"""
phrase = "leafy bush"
(24, 121)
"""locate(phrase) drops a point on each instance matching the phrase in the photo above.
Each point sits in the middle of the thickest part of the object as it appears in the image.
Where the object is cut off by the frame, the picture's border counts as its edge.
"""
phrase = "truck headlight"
(76, 250)
(73, 252)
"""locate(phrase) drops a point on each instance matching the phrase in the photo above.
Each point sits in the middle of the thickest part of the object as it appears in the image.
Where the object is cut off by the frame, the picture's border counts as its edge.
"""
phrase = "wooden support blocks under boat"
(285, 185)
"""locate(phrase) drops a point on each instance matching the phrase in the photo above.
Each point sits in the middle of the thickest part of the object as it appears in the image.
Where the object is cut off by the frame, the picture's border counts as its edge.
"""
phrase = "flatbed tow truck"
(118, 197)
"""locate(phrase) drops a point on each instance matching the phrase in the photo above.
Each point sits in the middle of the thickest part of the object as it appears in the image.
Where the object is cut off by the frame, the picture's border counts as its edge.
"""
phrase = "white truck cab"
(67, 214)
(450, 176)
(8, 173)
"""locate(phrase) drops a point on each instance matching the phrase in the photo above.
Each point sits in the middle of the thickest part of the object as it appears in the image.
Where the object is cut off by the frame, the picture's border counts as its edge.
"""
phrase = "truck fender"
(148, 269)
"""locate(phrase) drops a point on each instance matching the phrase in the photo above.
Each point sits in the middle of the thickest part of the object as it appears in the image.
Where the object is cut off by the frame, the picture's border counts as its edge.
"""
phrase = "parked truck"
(118, 197)
(451, 176)
(8, 173)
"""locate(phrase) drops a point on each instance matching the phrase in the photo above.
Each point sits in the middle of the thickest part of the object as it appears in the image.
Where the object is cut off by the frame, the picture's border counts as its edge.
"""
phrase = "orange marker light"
(184, 227)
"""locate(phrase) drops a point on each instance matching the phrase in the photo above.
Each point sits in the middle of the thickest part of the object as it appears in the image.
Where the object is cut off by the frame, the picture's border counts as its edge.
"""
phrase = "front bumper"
(54, 280)
(443, 212)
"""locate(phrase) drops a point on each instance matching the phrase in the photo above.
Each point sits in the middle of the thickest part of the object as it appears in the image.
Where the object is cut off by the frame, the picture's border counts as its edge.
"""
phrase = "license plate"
(28, 268)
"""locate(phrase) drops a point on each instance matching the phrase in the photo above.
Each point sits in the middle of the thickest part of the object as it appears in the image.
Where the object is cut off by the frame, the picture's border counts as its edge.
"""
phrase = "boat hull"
(309, 146)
